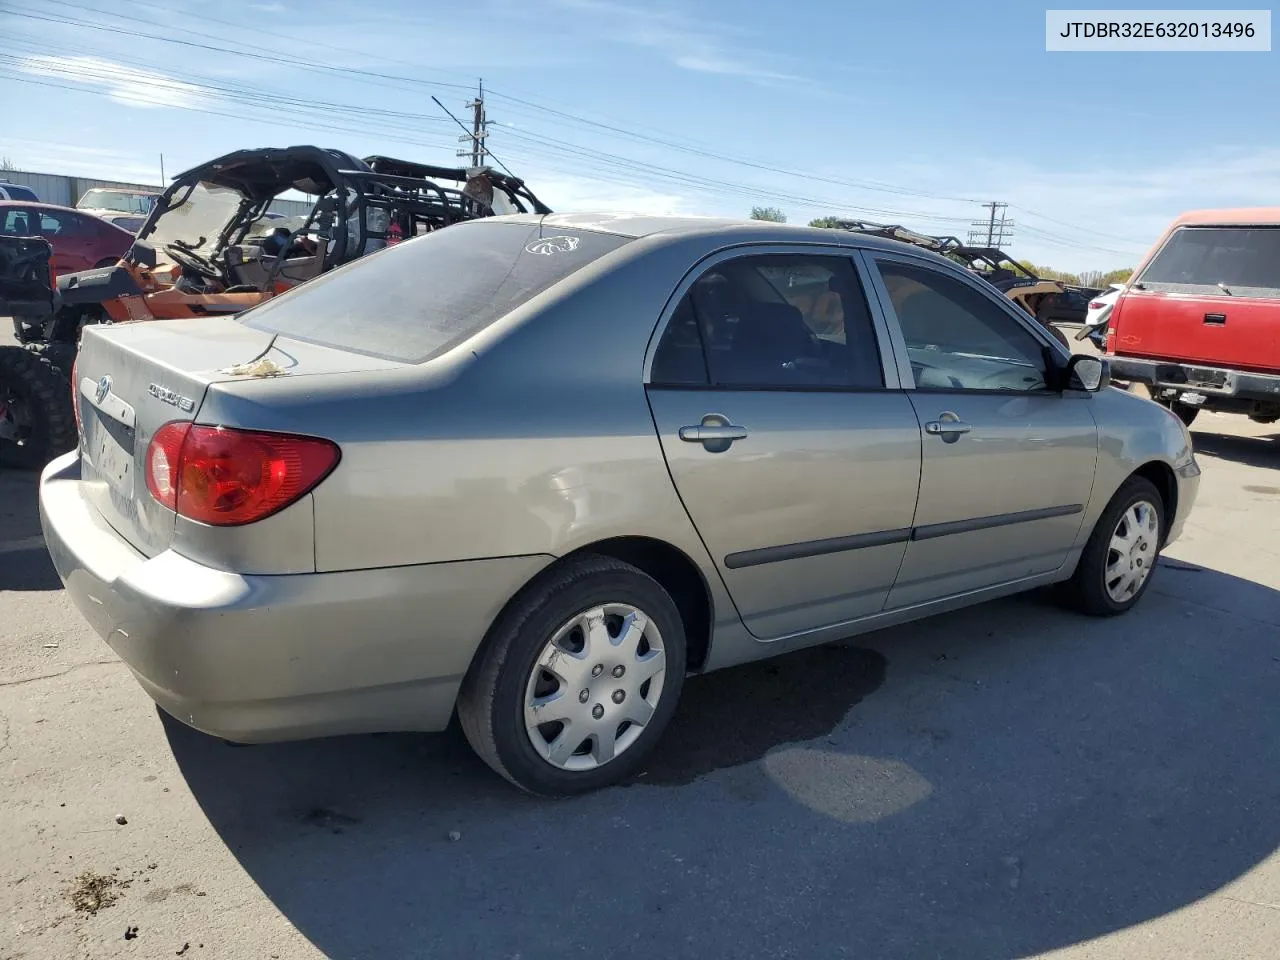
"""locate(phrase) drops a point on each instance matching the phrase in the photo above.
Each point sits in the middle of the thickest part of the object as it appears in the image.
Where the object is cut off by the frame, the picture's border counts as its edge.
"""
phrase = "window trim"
(954, 271)
(889, 366)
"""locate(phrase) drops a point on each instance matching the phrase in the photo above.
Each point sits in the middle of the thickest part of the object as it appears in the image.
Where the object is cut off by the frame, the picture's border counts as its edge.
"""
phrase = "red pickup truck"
(1199, 322)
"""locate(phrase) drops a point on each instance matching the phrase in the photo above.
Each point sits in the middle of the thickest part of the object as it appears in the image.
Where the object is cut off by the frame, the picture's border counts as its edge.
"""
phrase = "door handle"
(1219, 318)
(715, 432)
(948, 426)
(701, 434)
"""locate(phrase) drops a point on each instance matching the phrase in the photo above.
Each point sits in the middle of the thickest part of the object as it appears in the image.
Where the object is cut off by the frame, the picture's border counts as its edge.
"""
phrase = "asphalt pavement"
(1009, 781)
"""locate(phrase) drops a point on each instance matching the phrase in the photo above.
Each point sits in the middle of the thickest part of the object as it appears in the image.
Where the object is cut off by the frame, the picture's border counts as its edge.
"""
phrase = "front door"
(1007, 462)
(796, 459)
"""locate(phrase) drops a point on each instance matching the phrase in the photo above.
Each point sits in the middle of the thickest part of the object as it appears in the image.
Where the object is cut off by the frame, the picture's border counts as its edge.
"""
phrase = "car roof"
(1231, 215)
(36, 205)
(733, 230)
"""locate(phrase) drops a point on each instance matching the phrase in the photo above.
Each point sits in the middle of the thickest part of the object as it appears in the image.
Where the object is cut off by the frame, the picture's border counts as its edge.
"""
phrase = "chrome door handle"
(705, 432)
(943, 427)
(716, 433)
(948, 426)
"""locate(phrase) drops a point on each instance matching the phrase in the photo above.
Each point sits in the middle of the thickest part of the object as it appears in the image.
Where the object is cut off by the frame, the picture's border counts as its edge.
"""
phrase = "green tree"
(827, 223)
(1116, 276)
(772, 214)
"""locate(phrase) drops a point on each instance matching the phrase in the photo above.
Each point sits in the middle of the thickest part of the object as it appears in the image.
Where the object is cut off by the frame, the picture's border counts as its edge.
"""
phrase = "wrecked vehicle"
(1036, 295)
(36, 417)
(210, 244)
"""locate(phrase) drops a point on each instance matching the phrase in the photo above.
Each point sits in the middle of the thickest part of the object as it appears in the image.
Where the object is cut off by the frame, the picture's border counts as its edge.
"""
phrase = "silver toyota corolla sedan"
(538, 469)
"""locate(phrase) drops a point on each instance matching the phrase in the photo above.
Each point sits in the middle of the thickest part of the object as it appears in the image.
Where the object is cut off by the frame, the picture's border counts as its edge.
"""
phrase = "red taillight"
(228, 477)
(1097, 305)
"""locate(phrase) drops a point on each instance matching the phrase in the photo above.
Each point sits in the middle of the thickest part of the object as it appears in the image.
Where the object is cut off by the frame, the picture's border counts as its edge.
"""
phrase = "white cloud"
(690, 44)
(124, 84)
(575, 194)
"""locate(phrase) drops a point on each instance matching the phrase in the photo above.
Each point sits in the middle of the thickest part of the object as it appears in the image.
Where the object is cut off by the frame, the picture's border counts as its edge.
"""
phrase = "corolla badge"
(546, 246)
(103, 388)
(171, 397)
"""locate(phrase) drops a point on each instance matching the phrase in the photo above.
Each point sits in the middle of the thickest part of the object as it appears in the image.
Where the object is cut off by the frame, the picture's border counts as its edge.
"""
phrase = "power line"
(273, 56)
(992, 232)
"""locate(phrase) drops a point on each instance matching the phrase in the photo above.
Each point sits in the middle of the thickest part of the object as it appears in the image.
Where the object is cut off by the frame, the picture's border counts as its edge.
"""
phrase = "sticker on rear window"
(546, 246)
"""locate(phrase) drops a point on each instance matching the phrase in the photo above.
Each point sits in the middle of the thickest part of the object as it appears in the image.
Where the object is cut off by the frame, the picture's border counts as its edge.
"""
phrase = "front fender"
(1132, 433)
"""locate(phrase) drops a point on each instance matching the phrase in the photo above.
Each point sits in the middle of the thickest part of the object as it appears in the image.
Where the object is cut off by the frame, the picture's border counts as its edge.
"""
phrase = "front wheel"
(1116, 566)
(577, 679)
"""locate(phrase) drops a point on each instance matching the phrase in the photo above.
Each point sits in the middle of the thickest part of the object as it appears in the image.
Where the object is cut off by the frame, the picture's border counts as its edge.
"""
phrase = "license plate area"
(1201, 378)
(110, 446)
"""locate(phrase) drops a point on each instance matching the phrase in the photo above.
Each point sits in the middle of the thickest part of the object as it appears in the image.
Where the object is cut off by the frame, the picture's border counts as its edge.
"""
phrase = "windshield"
(121, 200)
(416, 299)
(198, 219)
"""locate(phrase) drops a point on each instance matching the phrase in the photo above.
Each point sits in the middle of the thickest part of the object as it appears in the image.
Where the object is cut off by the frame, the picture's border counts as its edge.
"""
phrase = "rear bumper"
(258, 658)
(1195, 378)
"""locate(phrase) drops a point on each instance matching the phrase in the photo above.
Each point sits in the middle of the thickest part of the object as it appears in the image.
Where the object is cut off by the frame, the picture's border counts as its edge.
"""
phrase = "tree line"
(1098, 279)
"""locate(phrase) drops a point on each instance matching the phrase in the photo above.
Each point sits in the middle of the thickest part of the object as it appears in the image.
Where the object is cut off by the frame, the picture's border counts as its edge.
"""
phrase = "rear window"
(413, 300)
(1246, 260)
(19, 193)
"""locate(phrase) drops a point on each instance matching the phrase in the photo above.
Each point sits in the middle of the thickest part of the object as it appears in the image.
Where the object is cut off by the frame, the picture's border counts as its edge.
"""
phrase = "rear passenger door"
(795, 454)
(1007, 459)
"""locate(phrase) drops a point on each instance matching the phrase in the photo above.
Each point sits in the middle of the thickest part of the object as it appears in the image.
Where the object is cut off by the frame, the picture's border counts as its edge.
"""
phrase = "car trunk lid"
(133, 379)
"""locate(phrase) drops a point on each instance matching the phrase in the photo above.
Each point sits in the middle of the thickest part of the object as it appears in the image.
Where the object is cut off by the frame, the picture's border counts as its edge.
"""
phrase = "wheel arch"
(670, 566)
(676, 571)
(1162, 477)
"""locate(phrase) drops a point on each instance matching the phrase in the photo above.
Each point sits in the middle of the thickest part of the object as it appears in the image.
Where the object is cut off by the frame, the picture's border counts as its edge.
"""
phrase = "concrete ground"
(1009, 781)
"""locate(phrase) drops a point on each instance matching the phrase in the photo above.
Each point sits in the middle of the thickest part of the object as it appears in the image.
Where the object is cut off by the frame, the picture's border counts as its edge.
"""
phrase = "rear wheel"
(1116, 565)
(577, 679)
(36, 419)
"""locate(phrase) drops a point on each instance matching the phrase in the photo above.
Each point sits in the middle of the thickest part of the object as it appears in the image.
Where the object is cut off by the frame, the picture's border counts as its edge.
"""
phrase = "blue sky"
(895, 112)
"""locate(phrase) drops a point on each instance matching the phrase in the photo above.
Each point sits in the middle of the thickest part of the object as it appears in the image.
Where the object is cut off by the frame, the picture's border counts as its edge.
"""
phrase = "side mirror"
(1087, 373)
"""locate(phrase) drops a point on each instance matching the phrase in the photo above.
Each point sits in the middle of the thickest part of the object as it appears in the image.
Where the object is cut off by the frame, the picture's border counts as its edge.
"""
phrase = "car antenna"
(472, 135)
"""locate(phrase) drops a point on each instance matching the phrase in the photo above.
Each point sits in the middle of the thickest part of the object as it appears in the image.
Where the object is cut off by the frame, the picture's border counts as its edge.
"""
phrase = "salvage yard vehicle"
(1199, 323)
(436, 480)
(1036, 295)
(210, 245)
(118, 205)
(35, 408)
(80, 241)
(1099, 315)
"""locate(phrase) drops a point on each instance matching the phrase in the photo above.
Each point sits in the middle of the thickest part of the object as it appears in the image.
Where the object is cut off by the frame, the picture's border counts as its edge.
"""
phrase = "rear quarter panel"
(535, 437)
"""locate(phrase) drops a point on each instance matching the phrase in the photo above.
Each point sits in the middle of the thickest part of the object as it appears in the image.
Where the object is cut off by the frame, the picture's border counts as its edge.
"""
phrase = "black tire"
(1183, 411)
(61, 356)
(1086, 591)
(491, 700)
(38, 422)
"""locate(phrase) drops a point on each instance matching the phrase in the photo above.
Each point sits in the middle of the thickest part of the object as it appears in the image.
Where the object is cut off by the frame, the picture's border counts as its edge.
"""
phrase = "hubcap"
(1132, 552)
(594, 687)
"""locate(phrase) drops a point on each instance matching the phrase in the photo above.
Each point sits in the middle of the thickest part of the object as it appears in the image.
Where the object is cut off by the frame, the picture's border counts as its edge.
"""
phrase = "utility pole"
(162, 170)
(478, 133)
(993, 231)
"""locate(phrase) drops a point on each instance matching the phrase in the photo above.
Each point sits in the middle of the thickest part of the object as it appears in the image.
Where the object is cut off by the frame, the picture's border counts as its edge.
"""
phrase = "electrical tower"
(479, 132)
(996, 230)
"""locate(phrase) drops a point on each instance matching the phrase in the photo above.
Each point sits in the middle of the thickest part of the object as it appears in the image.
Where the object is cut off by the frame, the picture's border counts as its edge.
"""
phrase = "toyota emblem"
(104, 387)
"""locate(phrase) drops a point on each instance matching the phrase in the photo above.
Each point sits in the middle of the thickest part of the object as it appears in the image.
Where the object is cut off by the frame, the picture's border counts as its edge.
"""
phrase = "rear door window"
(1243, 260)
(773, 321)
(416, 299)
